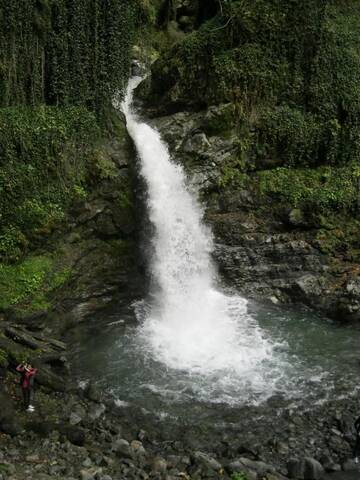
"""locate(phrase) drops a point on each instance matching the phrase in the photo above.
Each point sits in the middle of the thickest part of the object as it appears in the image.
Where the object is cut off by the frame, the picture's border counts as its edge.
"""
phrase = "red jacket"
(26, 374)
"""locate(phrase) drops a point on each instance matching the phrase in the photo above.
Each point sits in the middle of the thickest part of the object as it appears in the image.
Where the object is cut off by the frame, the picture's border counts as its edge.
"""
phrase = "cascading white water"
(191, 326)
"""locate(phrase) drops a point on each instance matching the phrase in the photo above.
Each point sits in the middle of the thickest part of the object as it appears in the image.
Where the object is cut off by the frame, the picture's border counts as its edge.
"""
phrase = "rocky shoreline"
(82, 433)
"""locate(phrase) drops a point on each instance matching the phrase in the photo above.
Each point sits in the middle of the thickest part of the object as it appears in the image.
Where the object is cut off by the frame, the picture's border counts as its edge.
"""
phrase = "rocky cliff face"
(268, 250)
(101, 241)
(91, 259)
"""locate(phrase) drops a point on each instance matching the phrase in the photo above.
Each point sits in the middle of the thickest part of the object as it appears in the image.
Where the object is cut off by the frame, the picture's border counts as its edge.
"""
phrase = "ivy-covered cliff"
(61, 63)
(289, 69)
(63, 52)
(261, 102)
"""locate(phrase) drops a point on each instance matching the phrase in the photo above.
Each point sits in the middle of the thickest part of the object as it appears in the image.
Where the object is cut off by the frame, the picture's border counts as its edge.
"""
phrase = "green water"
(314, 360)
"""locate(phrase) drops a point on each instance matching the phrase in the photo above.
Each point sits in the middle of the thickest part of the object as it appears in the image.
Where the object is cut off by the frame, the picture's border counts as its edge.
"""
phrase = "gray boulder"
(260, 467)
(350, 465)
(159, 465)
(305, 469)
(238, 467)
(329, 465)
(206, 460)
(313, 469)
(92, 393)
(122, 448)
(8, 423)
(74, 434)
(96, 411)
(296, 469)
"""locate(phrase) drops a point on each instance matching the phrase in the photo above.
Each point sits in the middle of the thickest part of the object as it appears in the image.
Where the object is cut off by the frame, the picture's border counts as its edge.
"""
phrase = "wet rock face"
(100, 244)
(266, 255)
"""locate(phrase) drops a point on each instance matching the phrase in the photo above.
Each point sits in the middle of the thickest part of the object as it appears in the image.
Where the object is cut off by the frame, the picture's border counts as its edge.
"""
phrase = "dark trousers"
(27, 396)
(357, 447)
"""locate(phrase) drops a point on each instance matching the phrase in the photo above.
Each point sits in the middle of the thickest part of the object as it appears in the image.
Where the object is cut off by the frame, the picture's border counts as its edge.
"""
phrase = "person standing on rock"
(27, 383)
(357, 444)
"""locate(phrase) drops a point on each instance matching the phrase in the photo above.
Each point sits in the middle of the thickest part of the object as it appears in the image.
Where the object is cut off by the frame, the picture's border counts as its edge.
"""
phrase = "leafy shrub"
(322, 189)
(12, 243)
(22, 280)
(291, 134)
(28, 283)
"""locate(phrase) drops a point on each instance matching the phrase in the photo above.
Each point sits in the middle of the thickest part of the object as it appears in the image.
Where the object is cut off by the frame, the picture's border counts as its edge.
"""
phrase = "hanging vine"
(63, 52)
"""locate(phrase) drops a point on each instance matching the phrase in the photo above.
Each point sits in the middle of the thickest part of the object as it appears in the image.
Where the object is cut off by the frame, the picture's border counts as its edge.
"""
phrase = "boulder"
(122, 448)
(92, 393)
(313, 469)
(42, 428)
(10, 427)
(74, 434)
(8, 420)
(96, 411)
(90, 474)
(305, 469)
(138, 449)
(329, 464)
(296, 469)
(350, 465)
(49, 379)
(75, 418)
(23, 338)
(260, 467)
(309, 285)
(237, 466)
(206, 460)
(159, 465)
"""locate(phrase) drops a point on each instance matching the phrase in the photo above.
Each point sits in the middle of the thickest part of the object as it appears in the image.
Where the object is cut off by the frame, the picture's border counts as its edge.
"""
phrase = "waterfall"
(191, 325)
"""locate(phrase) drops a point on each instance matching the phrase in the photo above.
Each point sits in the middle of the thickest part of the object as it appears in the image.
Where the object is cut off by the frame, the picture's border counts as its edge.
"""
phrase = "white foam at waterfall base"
(191, 325)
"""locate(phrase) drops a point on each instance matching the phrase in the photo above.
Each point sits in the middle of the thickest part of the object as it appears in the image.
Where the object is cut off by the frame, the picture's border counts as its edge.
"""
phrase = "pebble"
(32, 458)
(87, 462)
(122, 448)
(159, 465)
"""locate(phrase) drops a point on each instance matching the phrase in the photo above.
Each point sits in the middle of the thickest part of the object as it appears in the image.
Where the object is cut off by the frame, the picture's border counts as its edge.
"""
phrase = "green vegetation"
(239, 476)
(281, 76)
(321, 189)
(290, 70)
(45, 162)
(61, 63)
(62, 52)
(339, 235)
(29, 283)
